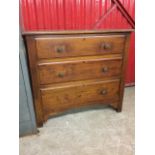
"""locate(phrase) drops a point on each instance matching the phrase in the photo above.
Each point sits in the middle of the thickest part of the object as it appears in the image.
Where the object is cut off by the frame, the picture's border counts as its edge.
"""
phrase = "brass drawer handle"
(105, 69)
(60, 49)
(61, 74)
(106, 46)
(104, 92)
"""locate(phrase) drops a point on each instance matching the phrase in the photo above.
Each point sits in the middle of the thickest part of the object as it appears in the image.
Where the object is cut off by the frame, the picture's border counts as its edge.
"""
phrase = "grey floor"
(96, 131)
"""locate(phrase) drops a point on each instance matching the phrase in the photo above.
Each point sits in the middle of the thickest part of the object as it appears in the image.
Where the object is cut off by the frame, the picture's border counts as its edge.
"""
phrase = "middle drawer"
(79, 69)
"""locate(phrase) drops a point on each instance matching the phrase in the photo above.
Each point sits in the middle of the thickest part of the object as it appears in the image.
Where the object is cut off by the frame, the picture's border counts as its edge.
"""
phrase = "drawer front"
(79, 70)
(62, 97)
(48, 47)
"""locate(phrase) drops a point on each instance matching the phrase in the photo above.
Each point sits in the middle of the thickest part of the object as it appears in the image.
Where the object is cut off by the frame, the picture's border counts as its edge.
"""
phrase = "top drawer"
(72, 46)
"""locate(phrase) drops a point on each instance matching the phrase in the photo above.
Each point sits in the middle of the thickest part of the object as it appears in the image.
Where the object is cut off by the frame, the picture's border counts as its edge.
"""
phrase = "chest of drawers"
(71, 69)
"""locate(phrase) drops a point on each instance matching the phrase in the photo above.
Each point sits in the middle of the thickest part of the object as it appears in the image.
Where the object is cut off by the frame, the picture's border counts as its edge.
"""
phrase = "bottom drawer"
(58, 98)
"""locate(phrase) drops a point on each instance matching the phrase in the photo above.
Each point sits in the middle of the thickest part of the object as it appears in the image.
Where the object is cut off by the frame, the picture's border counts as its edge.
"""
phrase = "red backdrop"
(84, 15)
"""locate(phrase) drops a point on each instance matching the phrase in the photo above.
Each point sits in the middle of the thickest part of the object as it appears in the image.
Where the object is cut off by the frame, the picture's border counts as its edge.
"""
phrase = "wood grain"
(63, 71)
(80, 32)
(124, 66)
(34, 79)
(76, 68)
(58, 98)
(55, 47)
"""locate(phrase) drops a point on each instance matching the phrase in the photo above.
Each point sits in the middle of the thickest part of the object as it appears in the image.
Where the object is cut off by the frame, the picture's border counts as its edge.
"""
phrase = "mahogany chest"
(71, 69)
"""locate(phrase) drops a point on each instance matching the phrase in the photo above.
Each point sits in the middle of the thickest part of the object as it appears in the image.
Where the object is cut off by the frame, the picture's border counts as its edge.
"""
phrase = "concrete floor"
(96, 131)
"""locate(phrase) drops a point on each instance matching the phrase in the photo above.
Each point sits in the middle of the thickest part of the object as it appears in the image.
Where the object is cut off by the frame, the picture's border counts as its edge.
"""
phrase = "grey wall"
(27, 124)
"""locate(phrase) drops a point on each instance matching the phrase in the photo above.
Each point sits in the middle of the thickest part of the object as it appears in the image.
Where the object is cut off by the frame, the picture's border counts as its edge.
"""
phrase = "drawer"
(56, 47)
(62, 97)
(83, 69)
